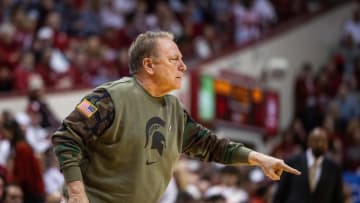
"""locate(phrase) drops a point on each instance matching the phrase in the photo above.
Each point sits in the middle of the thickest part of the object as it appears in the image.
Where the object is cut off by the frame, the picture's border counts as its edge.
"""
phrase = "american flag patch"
(86, 108)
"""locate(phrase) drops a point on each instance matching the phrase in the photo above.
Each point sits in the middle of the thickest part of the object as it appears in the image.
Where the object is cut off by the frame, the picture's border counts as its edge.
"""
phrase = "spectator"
(53, 178)
(306, 97)
(348, 52)
(26, 169)
(14, 194)
(60, 38)
(88, 21)
(333, 71)
(247, 22)
(4, 150)
(335, 138)
(267, 13)
(110, 17)
(352, 27)
(36, 96)
(258, 187)
(167, 21)
(6, 82)
(9, 48)
(97, 68)
(352, 151)
(42, 8)
(53, 67)
(36, 136)
(125, 6)
(121, 63)
(323, 94)
(348, 105)
(207, 44)
(228, 187)
(19, 19)
(321, 180)
(24, 71)
(304, 85)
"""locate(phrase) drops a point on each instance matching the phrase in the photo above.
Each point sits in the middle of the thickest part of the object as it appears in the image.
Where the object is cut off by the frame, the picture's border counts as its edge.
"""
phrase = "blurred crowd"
(27, 162)
(326, 97)
(53, 44)
(62, 44)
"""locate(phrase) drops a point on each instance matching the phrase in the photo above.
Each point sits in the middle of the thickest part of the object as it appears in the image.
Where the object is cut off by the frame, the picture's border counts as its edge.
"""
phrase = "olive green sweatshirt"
(123, 143)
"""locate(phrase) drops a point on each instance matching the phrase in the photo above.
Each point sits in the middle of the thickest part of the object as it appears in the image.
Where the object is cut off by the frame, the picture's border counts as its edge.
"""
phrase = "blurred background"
(262, 72)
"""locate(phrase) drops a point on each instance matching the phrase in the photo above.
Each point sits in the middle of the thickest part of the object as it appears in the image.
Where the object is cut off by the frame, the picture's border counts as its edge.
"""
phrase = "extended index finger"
(290, 169)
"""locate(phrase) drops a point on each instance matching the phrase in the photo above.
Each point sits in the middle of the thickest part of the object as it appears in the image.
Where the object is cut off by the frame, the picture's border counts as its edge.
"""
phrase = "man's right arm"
(88, 121)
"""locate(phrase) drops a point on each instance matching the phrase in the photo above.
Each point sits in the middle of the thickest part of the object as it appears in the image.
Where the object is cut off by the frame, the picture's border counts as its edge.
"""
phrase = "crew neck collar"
(161, 99)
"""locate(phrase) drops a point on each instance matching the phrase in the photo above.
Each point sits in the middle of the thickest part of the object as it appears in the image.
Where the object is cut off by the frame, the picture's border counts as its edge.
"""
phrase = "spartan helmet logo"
(157, 138)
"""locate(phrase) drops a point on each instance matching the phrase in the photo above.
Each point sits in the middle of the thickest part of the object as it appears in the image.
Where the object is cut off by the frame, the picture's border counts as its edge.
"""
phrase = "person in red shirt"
(26, 169)
(9, 48)
(23, 71)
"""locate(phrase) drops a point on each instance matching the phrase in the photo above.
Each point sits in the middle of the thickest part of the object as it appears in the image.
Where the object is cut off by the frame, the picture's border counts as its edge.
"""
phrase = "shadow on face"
(318, 142)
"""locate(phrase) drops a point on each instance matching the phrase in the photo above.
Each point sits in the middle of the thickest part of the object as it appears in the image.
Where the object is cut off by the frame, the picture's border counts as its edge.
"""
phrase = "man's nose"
(182, 66)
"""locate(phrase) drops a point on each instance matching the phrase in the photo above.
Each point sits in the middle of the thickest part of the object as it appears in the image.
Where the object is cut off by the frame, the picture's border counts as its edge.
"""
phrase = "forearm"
(256, 158)
(237, 153)
(76, 191)
(68, 150)
(72, 173)
(210, 148)
(259, 159)
(75, 187)
(69, 154)
(202, 143)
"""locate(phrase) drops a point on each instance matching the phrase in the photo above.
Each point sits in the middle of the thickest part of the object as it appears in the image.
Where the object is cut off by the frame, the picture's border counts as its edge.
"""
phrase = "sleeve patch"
(86, 108)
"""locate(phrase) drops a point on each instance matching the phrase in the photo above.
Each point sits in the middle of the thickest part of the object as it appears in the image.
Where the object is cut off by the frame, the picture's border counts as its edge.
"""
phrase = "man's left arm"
(199, 142)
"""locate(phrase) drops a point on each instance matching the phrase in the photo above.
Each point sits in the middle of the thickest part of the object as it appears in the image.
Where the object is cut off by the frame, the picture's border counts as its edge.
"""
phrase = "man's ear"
(148, 66)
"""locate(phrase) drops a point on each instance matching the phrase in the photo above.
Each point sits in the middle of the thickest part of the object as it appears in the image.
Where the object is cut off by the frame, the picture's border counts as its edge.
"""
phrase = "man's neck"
(149, 86)
(311, 158)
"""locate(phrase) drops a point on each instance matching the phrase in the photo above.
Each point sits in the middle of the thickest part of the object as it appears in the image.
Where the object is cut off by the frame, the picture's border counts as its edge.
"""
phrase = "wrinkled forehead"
(167, 47)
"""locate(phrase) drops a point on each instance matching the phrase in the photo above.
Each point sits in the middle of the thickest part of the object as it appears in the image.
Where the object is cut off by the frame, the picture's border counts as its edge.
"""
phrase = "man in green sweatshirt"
(121, 142)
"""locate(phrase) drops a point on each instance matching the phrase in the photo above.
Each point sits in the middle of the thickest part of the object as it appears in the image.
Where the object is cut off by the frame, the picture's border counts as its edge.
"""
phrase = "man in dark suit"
(321, 179)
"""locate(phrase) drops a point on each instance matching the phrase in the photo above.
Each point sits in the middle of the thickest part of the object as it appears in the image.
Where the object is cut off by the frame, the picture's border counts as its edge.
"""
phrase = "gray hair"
(145, 46)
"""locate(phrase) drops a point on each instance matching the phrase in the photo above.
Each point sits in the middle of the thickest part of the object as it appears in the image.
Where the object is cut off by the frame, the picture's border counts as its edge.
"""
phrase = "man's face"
(13, 195)
(318, 142)
(168, 65)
